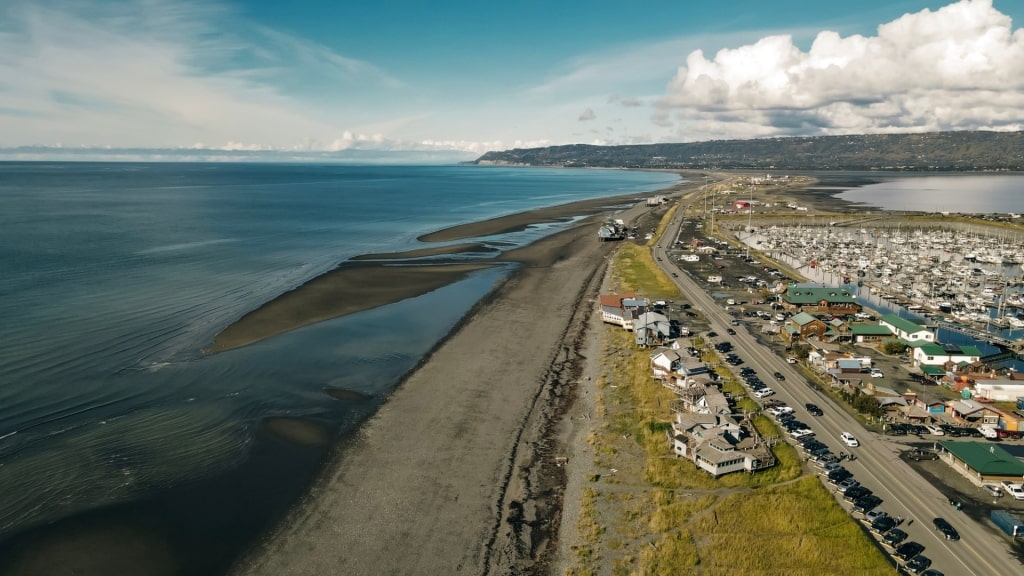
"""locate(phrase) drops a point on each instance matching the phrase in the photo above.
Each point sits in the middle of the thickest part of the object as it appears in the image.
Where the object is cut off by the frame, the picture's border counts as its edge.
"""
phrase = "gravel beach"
(456, 473)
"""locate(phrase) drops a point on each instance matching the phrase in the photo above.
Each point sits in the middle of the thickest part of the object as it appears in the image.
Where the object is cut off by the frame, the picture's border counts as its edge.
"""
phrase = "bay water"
(116, 434)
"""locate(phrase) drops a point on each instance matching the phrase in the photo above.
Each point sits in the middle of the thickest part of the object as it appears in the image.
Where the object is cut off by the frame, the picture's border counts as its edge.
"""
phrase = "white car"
(764, 392)
(849, 439)
(1014, 489)
(791, 360)
(935, 430)
(876, 373)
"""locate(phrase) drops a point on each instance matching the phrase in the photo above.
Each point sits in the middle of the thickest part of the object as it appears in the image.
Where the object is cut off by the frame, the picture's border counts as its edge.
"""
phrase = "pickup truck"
(1014, 489)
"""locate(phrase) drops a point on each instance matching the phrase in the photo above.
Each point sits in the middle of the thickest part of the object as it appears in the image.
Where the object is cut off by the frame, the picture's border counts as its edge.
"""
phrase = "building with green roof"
(869, 332)
(803, 325)
(819, 300)
(943, 355)
(905, 329)
(983, 461)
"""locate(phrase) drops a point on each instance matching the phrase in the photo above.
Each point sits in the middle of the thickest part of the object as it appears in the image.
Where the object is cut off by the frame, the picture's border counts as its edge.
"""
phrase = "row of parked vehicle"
(862, 499)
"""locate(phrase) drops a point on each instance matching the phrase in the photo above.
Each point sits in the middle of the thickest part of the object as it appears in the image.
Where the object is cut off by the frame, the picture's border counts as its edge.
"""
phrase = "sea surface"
(965, 193)
(117, 435)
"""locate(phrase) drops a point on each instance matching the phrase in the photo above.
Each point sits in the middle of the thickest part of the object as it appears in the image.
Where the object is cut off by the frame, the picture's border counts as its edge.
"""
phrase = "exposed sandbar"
(469, 247)
(345, 290)
(369, 281)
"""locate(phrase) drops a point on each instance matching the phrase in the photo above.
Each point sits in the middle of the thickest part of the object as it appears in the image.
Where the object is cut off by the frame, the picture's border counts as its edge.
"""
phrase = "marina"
(964, 279)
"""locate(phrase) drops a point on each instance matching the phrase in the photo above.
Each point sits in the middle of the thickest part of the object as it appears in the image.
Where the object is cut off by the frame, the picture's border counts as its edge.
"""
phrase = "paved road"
(878, 466)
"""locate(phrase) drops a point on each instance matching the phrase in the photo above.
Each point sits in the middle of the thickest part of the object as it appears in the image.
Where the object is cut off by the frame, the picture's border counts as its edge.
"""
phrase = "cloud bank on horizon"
(192, 76)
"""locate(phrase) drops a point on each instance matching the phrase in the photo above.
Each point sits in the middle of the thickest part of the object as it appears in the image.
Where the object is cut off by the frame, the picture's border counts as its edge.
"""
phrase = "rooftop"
(986, 458)
(902, 324)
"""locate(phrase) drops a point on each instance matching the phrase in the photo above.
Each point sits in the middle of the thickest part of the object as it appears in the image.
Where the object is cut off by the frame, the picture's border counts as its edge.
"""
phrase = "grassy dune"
(648, 512)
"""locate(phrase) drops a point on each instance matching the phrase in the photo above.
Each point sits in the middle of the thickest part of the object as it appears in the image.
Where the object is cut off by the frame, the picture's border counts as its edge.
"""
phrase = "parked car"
(1014, 489)
(791, 360)
(764, 392)
(875, 514)
(856, 493)
(918, 564)
(908, 550)
(894, 537)
(935, 430)
(883, 525)
(921, 454)
(865, 503)
(942, 525)
(849, 439)
(846, 485)
(932, 572)
(992, 490)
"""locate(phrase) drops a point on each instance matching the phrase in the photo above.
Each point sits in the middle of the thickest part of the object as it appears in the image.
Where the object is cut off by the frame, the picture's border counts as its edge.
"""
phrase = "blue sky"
(459, 78)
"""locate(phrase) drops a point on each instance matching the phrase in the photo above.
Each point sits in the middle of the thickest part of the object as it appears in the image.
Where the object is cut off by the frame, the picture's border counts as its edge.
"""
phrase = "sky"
(454, 79)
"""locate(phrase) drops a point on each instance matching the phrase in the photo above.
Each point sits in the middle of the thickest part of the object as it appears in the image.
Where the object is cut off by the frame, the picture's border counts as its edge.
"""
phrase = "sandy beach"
(456, 472)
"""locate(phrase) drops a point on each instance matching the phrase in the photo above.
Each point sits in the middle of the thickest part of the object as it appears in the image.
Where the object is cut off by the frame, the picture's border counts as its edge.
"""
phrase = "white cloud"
(166, 74)
(959, 67)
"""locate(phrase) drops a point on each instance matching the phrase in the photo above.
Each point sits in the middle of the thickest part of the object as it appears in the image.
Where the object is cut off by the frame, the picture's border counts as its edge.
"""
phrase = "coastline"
(453, 473)
(372, 280)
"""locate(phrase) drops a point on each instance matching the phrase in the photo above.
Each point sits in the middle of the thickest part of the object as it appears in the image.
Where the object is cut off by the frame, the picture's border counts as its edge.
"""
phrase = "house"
(620, 309)
(863, 333)
(972, 412)
(699, 396)
(650, 328)
(819, 300)
(802, 326)
(905, 329)
(718, 444)
(888, 399)
(947, 356)
(664, 362)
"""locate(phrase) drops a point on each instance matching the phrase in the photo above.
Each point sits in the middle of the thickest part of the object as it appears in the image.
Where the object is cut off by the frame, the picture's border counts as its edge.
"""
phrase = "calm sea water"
(114, 431)
(967, 193)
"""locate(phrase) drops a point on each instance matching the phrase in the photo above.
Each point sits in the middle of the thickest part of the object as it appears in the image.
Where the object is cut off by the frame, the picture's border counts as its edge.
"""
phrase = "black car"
(813, 409)
(837, 476)
(908, 550)
(918, 564)
(894, 537)
(711, 334)
(730, 331)
(946, 528)
(855, 493)
(883, 524)
(865, 503)
(779, 376)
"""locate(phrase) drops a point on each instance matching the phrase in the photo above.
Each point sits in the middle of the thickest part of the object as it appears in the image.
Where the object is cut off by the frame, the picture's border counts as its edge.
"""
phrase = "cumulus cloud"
(958, 67)
(587, 115)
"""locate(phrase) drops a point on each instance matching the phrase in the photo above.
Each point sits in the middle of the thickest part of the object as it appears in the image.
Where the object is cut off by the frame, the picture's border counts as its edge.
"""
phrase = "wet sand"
(372, 280)
(455, 472)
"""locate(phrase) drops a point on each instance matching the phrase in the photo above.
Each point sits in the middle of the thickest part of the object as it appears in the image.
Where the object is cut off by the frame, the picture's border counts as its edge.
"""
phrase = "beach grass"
(666, 516)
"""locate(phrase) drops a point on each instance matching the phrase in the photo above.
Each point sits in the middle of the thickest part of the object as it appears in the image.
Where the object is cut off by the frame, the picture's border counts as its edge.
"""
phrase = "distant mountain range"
(935, 151)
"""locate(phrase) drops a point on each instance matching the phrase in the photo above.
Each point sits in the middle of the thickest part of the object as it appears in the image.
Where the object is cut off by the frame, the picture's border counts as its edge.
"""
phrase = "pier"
(1011, 348)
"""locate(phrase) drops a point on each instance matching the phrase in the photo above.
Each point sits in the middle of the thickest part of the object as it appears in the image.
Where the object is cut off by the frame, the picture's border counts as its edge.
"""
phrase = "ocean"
(116, 434)
(966, 193)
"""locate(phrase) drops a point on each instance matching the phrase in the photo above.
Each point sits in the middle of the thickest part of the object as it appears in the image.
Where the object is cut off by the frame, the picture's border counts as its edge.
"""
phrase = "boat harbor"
(963, 280)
